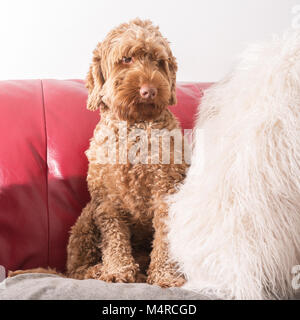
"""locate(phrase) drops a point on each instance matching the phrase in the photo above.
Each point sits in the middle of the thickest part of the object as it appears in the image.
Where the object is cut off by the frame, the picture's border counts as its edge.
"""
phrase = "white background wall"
(55, 38)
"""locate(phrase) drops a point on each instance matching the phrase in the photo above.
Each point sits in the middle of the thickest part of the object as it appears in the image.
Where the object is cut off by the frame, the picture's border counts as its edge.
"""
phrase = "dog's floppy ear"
(95, 80)
(173, 69)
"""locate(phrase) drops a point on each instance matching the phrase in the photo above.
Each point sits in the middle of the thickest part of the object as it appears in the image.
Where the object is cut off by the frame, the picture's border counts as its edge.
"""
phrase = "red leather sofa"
(45, 129)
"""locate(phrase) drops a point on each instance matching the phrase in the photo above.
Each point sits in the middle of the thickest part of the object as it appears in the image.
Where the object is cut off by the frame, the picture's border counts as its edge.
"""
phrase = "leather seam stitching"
(46, 175)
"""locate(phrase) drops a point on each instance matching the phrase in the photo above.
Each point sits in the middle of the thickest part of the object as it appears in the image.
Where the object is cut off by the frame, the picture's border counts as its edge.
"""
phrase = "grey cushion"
(51, 287)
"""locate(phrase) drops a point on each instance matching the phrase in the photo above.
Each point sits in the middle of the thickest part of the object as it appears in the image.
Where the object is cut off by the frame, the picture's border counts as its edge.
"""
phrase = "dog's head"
(133, 72)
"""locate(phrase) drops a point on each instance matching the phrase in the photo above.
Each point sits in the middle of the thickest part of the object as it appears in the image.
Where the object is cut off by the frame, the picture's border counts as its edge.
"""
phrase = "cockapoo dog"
(132, 79)
(235, 223)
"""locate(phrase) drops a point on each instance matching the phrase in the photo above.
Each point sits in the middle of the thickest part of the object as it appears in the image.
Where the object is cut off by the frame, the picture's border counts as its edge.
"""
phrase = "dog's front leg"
(118, 264)
(161, 271)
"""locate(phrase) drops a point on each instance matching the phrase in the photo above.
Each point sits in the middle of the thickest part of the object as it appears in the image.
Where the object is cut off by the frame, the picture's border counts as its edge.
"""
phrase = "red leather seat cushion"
(45, 129)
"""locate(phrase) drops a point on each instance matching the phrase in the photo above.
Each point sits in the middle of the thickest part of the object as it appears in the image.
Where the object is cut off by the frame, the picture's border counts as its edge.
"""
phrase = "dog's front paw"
(165, 279)
(124, 274)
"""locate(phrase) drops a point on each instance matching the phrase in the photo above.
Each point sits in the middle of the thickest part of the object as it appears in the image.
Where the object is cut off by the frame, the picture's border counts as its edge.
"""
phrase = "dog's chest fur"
(131, 188)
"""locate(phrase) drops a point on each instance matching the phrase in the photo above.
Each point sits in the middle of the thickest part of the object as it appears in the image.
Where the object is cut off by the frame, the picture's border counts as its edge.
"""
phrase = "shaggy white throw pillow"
(234, 225)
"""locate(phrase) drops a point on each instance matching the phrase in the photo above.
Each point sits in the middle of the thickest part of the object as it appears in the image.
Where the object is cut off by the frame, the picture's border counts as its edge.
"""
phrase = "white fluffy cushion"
(235, 223)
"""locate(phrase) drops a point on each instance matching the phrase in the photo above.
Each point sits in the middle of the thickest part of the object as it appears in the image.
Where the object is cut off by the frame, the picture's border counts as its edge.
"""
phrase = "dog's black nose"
(148, 92)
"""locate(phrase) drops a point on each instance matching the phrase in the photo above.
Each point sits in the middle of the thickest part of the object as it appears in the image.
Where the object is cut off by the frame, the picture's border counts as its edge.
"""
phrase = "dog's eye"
(126, 60)
(162, 64)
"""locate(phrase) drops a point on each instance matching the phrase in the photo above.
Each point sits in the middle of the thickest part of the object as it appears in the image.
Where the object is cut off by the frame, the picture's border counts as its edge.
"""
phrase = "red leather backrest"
(45, 129)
